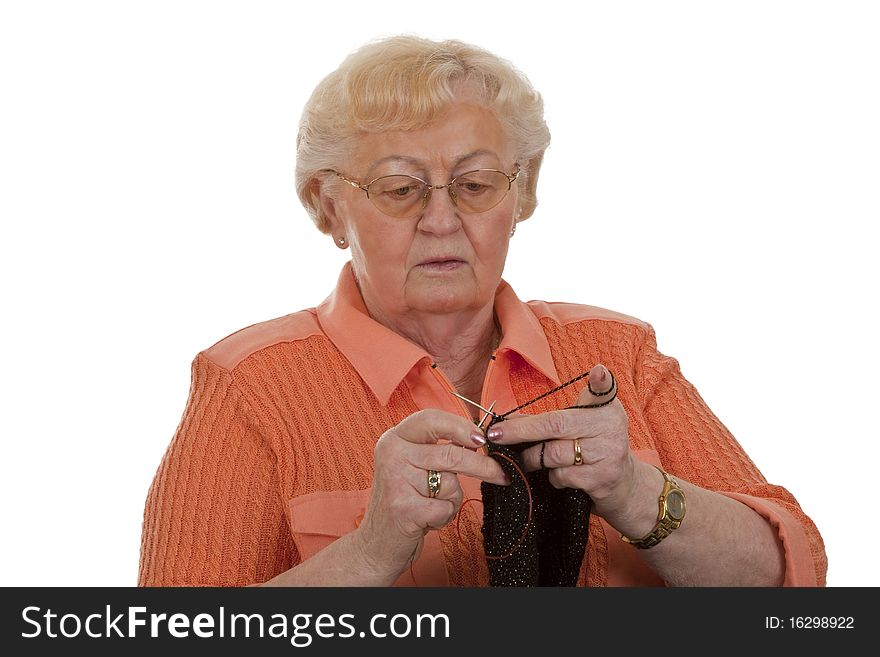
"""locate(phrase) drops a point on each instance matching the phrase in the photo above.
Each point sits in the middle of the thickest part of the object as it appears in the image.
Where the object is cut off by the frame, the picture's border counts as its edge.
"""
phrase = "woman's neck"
(460, 344)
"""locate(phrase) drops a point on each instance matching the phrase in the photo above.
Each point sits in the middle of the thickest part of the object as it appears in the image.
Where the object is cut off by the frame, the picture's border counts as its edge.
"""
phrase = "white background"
(714, 171)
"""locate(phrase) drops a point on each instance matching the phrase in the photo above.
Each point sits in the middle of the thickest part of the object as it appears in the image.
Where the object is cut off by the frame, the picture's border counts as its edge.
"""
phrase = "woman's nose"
(439, 212)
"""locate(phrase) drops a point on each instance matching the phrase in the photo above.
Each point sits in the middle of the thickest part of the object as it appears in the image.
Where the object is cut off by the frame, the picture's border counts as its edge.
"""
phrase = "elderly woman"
(341, 445)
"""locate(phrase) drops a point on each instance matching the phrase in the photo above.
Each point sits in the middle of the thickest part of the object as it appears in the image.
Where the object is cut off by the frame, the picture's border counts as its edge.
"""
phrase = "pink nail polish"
(494, 434)
(477, 438)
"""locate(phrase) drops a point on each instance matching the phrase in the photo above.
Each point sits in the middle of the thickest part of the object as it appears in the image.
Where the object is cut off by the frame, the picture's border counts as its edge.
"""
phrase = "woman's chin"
(441, 297)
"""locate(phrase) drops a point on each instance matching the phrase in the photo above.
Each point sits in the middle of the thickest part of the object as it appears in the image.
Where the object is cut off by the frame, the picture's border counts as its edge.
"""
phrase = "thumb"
(601, 388)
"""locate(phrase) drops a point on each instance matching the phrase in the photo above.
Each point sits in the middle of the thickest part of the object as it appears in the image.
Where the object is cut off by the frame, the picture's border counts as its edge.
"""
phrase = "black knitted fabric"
(553, 548)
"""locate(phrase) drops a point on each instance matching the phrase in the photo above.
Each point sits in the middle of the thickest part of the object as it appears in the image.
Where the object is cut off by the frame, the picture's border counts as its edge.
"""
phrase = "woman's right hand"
(401, 510)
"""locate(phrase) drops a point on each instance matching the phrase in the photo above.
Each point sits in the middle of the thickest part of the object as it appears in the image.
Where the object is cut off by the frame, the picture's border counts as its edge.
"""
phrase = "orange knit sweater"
(272, 459)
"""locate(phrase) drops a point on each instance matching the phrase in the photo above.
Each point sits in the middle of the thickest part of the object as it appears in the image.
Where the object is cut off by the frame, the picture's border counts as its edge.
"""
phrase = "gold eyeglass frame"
(426, 197)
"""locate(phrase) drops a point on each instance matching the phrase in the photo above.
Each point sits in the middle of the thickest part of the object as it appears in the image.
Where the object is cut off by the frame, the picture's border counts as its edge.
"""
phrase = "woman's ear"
(529, 192)
(327, 219)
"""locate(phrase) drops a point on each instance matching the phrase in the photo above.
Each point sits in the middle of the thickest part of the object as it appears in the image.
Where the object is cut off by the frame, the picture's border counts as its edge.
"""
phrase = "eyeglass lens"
(404, 196)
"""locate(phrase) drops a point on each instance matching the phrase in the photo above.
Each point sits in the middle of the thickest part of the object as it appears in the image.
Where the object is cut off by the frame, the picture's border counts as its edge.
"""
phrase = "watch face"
(675, 504)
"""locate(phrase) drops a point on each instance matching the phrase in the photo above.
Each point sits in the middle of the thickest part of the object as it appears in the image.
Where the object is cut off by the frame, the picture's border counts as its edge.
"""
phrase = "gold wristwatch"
(671, 514)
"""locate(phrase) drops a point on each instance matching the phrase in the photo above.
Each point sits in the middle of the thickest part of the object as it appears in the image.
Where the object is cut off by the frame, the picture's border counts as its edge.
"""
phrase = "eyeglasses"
(404, 197)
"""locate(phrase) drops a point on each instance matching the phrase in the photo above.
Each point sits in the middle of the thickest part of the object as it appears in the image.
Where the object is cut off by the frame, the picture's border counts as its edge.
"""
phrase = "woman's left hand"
(606, 469)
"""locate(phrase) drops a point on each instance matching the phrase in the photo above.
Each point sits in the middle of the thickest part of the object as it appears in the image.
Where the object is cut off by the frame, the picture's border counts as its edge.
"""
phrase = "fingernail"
(603, 374)
(494, 434)
(477, 438)
(507, 479)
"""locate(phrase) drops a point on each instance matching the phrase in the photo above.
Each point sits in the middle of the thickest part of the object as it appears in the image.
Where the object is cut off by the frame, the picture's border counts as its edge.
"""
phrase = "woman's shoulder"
(237, 346)
(564, 313)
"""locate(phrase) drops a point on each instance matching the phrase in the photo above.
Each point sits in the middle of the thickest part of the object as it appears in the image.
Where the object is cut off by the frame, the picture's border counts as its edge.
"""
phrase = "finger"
(565, 423)
(561, 478)
(557, 454)
(601, 386)
(436, 513)
(535, 458)
(452, 458)
(423, 513)
(449, 487)
(431, 425)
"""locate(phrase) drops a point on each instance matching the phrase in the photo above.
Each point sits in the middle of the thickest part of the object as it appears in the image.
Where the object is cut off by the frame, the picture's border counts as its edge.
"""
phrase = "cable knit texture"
(294, 418)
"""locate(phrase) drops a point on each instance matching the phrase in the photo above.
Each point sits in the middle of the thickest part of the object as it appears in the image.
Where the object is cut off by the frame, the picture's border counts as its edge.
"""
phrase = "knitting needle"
(473, 403)
(488, 413)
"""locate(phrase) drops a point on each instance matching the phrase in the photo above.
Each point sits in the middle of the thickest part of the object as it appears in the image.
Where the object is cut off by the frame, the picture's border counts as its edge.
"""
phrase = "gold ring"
(578, 457)
(433, 483)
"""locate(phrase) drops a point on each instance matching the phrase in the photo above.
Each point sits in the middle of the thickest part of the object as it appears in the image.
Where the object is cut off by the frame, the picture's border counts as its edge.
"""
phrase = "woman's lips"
(450, 264)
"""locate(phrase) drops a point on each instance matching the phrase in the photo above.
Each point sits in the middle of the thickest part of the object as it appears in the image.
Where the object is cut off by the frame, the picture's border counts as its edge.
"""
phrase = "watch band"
(666, 521)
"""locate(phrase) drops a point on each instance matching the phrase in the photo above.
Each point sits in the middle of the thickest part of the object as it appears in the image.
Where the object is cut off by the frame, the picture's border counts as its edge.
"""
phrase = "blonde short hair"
(403, 83)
